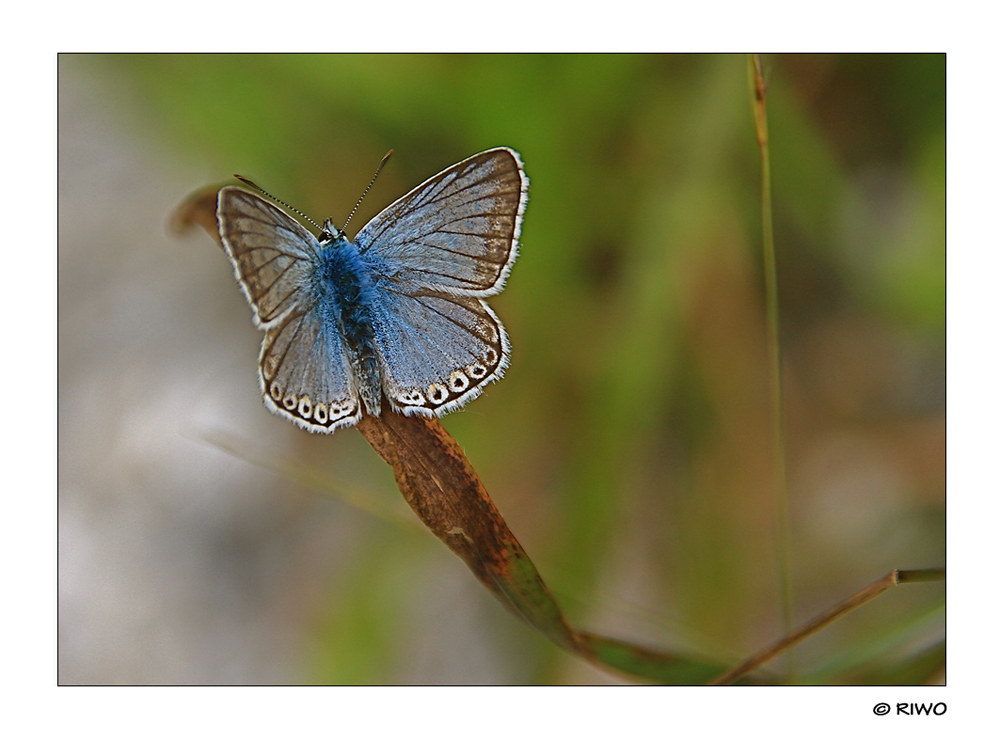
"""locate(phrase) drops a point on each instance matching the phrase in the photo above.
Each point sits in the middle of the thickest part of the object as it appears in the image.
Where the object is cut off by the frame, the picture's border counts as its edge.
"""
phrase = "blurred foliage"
(628, 445)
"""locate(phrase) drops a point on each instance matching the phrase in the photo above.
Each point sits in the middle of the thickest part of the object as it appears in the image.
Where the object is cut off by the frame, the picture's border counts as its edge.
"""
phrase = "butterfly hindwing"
(438, 350)
(457, 232)
(304, 372)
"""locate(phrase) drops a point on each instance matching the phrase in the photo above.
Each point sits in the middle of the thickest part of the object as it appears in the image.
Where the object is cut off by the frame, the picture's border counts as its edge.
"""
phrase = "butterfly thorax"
(346, 290)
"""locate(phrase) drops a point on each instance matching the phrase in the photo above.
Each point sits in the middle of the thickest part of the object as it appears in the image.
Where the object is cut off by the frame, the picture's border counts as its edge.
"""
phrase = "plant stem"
(813, 626)
(781, 515)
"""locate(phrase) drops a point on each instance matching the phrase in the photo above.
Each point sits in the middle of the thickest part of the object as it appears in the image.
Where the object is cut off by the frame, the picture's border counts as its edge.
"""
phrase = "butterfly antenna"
(254, 185)
(377, 170)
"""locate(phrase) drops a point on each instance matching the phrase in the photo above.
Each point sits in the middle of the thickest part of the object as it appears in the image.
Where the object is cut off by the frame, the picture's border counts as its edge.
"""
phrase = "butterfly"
(399, 312)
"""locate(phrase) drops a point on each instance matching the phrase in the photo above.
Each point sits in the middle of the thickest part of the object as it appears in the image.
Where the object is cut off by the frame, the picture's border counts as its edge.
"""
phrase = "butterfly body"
(398, 312)
(346, 299)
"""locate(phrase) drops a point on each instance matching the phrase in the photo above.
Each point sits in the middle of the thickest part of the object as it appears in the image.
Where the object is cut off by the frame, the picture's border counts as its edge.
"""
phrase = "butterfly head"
(329, 232)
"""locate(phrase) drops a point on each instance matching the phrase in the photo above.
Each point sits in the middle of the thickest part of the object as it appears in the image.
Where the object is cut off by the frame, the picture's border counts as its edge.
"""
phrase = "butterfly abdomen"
(346, 284)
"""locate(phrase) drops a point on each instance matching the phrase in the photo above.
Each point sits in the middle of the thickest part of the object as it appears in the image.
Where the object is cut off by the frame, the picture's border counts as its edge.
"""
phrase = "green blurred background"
(629, 444)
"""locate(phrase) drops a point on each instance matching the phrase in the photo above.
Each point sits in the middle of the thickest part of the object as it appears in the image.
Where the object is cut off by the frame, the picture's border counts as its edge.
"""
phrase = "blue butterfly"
(397, 312)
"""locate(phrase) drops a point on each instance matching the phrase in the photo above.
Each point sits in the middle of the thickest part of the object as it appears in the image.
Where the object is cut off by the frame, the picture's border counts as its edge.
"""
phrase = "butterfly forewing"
(457, 232)
(272, 254)
(438, 350)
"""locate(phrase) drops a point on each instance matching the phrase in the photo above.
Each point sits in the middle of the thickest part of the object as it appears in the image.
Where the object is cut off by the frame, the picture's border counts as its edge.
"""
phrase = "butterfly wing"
(304, 371)
(457, 232)
(438, 350)
(273, 255)
(436, 253)
(305, 374)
